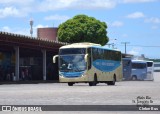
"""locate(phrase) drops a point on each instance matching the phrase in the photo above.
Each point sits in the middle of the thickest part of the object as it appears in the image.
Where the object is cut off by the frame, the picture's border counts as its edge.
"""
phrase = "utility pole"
(111, 44)
(31, 25)
(125, 43)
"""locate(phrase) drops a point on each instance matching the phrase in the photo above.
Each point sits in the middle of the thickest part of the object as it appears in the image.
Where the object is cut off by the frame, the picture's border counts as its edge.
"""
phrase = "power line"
(143, 46)
(140, 45)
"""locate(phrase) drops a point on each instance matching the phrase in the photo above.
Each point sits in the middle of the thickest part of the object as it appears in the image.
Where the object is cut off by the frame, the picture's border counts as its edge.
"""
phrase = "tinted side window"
(149, 64)
(97, 53)
(138, 65)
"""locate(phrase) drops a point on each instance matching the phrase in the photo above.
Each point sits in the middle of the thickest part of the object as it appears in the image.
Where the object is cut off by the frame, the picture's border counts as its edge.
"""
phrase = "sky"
(136, 22)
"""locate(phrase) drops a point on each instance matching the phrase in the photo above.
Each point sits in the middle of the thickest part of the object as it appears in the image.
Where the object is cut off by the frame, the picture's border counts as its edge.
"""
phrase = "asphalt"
(29, 82)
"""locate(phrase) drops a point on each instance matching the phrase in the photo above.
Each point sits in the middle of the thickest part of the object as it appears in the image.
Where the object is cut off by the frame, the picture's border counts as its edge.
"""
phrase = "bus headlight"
(84, 74)
(60, 75)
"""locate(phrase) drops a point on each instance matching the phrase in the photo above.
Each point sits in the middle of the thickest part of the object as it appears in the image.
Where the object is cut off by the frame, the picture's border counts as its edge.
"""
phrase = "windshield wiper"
(64, 70)
(77, 69)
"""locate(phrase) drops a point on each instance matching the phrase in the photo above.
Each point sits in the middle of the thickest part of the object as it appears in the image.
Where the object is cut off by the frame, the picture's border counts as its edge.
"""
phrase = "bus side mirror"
(85, 57)
(54, 58)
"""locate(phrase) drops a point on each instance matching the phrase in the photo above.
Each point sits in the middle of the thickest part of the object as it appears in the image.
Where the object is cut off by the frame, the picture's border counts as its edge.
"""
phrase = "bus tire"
(94, 83)
(112, 82)
(134, 78)
(70, 84)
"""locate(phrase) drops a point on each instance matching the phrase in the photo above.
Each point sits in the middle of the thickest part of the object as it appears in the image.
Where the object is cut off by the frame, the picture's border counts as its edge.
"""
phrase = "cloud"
(27, 30)
(124, 35)
(23, 31)
(9, 11)
(16, 2)
(153, 20)
(96, 4)
(6, 29)
(57, 17)
(16, 8)
(76, 4)
(25, 7)
(40, 26)
(138, 1)
(135, 15)
(116, 24)
(135, 51)
(154, 27)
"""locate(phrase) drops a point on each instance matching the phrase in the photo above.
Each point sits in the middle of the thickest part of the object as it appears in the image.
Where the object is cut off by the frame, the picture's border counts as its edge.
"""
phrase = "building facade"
(27, 58)
(49, 33)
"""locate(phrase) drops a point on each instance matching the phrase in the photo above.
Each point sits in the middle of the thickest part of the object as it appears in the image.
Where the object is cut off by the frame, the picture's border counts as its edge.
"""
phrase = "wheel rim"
(134, 78)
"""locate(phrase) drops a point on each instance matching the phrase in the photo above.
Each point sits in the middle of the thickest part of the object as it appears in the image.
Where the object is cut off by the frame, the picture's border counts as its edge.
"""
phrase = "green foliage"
(82, 28)
(155, 60)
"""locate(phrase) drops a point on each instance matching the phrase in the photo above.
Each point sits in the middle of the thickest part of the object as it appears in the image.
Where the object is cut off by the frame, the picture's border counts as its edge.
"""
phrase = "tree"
(82, 28)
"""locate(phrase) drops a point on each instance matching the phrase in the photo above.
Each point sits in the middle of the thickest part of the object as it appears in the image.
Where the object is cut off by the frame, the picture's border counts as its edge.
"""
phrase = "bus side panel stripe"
(106, 65)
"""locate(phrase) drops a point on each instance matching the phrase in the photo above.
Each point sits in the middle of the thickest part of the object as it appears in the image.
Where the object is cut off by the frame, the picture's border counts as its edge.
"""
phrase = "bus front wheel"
(70, 84)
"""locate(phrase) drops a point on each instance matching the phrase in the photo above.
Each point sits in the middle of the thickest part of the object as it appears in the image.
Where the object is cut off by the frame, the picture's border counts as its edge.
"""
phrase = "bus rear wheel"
(94, 83)
(70, 84)
(134, 78)
(112, 82)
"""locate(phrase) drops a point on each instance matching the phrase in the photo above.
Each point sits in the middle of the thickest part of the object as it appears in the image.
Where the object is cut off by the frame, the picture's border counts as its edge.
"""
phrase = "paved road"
(124, 93)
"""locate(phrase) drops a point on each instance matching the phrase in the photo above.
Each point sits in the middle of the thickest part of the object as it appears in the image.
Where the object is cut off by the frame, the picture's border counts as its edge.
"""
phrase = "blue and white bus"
(89, 63)
(134, 69)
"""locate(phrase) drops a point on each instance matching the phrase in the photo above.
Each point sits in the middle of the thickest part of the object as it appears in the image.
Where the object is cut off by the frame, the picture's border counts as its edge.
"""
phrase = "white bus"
(150, 70)
(156, 66)
(89, 63)
(136, 69)
(139, 70)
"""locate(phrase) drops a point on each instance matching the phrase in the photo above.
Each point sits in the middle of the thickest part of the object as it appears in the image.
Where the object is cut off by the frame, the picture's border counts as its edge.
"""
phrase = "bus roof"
(86, 45)
(127, 58)
(105, 48)
(156, 62)
(139, 61)
(80, 45)
(149, 61)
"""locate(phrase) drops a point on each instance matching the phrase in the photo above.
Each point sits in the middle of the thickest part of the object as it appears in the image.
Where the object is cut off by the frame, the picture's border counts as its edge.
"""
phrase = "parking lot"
(61, 94)
(123, 93)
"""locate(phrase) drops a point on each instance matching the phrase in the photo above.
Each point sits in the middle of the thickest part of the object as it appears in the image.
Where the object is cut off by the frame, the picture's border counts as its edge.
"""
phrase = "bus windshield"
(72, 63)
(138, 65)
(126, 63)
